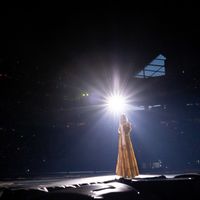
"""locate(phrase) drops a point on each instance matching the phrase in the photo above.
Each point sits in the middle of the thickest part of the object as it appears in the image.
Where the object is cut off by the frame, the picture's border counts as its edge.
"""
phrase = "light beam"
(116, 103)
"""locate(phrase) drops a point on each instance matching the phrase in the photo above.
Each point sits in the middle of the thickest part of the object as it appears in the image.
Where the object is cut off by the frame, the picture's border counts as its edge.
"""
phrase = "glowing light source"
(116, 103)
(85, 94)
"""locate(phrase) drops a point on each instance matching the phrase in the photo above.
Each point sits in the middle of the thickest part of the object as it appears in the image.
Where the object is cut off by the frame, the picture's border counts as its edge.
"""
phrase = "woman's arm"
(123, 136)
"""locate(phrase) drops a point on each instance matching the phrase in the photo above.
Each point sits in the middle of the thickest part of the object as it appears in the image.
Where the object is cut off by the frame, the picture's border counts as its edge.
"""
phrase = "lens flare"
(116, 103)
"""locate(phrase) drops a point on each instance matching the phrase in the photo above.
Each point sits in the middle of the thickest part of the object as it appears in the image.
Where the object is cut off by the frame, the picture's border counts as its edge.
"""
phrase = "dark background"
(50, 55)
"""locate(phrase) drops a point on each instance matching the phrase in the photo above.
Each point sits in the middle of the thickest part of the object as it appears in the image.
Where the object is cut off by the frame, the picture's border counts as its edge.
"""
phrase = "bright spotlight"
(116, 104)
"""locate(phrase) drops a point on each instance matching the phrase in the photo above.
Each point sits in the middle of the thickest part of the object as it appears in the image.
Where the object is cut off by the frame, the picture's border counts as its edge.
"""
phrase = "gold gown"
(126, 161)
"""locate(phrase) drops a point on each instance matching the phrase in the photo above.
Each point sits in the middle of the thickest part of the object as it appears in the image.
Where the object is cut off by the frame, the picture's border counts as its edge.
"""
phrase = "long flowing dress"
(126, 162)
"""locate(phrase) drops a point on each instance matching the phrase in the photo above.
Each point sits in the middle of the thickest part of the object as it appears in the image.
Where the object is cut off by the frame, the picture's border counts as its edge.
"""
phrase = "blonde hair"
(123, 119)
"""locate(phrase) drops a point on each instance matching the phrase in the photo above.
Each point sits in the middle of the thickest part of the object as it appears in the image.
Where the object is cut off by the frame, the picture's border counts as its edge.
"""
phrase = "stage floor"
(96, 186)
(67, 181)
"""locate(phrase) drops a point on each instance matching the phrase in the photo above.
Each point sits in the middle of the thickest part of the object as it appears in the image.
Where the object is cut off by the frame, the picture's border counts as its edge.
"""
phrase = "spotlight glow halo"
(116, 103)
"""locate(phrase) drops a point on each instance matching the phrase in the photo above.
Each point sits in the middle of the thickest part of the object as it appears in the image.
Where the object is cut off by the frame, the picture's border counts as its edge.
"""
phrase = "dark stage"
(144, 186)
